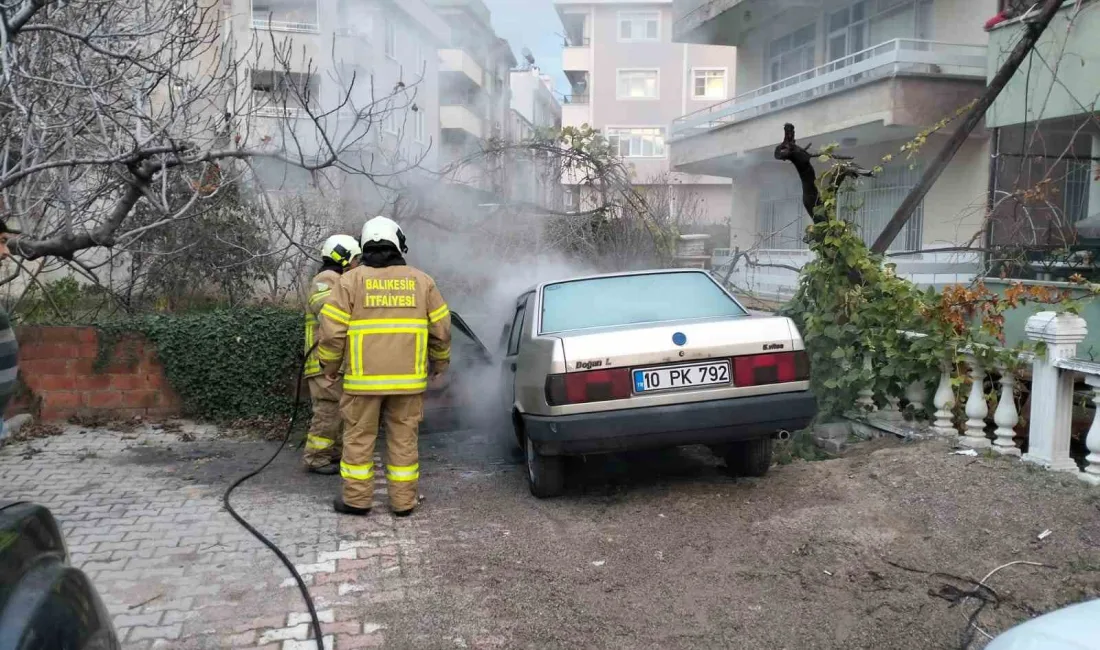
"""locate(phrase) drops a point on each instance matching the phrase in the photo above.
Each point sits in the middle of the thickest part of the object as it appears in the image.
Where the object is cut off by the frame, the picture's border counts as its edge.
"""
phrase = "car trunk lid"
(678, 342)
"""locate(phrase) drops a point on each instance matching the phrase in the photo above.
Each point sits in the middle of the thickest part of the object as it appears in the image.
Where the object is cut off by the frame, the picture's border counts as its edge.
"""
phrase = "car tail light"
(589, 386)
(764, 369)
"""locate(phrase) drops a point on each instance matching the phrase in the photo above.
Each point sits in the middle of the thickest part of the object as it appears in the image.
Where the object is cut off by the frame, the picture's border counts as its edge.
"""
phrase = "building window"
(391, 39)
(638, 142)
(638, 84)
(791, 54)
(708, 83)
(639, 26)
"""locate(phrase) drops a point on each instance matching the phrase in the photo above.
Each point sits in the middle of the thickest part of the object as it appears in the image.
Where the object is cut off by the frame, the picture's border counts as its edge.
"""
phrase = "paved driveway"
(648, 551)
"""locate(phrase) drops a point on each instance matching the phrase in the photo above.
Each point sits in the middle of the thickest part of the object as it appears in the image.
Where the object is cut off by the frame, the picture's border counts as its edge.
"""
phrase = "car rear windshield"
(633, 299)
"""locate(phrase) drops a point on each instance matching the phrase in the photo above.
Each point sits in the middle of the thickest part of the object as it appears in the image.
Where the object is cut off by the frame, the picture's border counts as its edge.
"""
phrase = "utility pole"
(1033, 29)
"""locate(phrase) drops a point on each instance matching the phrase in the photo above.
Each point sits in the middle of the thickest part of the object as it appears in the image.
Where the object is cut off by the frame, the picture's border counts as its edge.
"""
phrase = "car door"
(511, 354)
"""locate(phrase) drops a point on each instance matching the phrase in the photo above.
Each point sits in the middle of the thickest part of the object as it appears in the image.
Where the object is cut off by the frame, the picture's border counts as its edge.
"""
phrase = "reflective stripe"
(317, 442)
(371, 325)
(439, 355)
(403, 474)
(320, 295)
(439, 314)
(336, 314)
(382, 383)
(357, 472)
(324, 354)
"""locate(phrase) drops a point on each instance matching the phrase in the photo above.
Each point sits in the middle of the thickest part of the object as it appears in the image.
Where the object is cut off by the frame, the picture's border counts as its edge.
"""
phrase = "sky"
(533, 24)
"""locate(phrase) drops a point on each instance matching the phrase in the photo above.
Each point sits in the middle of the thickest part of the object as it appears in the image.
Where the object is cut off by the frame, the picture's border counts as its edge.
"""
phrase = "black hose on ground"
(260, 536)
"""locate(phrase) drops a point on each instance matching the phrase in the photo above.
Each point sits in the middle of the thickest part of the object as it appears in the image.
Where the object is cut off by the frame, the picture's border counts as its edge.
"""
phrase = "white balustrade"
(944, 401)
(976, 408)
(1052, 389)
(1006, 417)
(1054, 370)
(917, 396)
(866, 400)
(1092, 441)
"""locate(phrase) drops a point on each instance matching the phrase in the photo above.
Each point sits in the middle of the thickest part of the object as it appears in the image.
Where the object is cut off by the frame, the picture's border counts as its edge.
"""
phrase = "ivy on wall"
(225, 364)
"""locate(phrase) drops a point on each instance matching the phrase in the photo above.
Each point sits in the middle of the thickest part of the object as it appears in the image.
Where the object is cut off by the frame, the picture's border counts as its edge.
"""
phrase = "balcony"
(298, 16)
(460, 61)
(885, 93)
(461, 118)
(890, 59)
(727, 22)
(577, 58)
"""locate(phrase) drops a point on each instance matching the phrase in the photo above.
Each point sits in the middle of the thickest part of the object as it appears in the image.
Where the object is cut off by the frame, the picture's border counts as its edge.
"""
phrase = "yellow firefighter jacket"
(385, 325)
(320, 289)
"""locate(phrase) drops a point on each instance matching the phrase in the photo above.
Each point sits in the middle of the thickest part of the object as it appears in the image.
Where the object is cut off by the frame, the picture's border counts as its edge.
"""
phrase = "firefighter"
(388, 325)
(340, 253)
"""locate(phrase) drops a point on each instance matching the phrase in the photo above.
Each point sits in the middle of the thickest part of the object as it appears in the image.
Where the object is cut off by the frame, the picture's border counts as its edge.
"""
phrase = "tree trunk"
(1032, 32)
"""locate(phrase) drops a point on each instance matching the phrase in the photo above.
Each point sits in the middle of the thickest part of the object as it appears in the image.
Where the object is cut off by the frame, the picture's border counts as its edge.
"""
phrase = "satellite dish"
(530, 58)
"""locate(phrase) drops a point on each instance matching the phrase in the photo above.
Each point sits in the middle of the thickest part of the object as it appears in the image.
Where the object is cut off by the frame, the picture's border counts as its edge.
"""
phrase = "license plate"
(696, 375)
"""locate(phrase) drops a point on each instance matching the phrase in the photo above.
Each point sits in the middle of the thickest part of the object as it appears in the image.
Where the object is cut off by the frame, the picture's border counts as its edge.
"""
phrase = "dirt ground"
(663, 551)
(656, 550)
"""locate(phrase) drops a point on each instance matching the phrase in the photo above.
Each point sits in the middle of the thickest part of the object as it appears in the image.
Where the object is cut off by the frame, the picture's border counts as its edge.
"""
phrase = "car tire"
(545, 474)
(750, 457)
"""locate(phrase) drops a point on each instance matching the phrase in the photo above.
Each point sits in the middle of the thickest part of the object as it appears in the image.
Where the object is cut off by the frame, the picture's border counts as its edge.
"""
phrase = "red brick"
(129, 382)
(355, 565)
(61, 400)
(51, 383)
(347, 627)
(88, 335)
(104, 399)
(139, 399)
(93, 382)
(34, 367)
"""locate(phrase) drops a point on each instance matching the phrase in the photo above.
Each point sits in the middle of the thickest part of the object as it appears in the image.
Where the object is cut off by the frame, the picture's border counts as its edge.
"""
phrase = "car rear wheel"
(750, 457)
(545, 474)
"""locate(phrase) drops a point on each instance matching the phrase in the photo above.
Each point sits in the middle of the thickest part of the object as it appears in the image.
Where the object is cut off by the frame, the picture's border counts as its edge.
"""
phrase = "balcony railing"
(578, 42)
(290, 112)
(265, 24)
(581, 99)
(892, 58)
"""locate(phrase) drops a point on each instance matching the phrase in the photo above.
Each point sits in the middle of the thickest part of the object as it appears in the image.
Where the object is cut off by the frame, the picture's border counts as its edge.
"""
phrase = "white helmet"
(381, 229)
(341, 249)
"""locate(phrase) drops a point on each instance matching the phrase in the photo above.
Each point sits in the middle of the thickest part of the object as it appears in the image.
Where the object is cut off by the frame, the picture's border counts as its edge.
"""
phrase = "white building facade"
(867, 74)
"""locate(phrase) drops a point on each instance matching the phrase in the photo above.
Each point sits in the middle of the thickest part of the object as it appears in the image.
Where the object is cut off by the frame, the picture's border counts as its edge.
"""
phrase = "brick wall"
(59, 380)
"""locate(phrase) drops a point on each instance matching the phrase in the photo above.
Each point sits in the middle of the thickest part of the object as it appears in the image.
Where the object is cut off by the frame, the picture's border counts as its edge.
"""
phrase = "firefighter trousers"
(323, 444)
(400, 416)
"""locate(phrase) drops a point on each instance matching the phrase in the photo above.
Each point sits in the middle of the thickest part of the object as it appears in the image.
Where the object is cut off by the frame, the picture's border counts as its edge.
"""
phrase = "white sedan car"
(647, 360)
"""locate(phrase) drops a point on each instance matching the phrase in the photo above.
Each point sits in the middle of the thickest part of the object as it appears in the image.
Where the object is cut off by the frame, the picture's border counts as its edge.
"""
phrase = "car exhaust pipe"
(782, 435)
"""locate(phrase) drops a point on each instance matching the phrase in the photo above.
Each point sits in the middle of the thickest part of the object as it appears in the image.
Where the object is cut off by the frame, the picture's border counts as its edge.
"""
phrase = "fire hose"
(458, 323)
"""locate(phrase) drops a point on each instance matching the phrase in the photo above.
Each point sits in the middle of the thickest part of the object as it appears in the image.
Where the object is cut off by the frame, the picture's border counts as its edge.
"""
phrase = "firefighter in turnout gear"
(387, 325)
(340, 253)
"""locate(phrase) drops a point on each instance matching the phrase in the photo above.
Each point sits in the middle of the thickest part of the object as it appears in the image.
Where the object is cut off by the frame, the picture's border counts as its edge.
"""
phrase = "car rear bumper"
(700, 423)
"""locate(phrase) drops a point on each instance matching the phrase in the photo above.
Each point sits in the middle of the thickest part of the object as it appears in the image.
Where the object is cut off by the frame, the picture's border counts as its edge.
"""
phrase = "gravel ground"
(656, 550)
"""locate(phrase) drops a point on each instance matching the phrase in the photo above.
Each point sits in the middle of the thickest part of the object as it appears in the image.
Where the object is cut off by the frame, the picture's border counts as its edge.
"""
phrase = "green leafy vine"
(225, 364)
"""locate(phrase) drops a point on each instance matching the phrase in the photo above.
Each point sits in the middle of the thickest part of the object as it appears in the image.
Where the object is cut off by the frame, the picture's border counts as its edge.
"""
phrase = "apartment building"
(475, 98)
(535, 109)
(630, 80)
(867, 74)
(382, 52)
